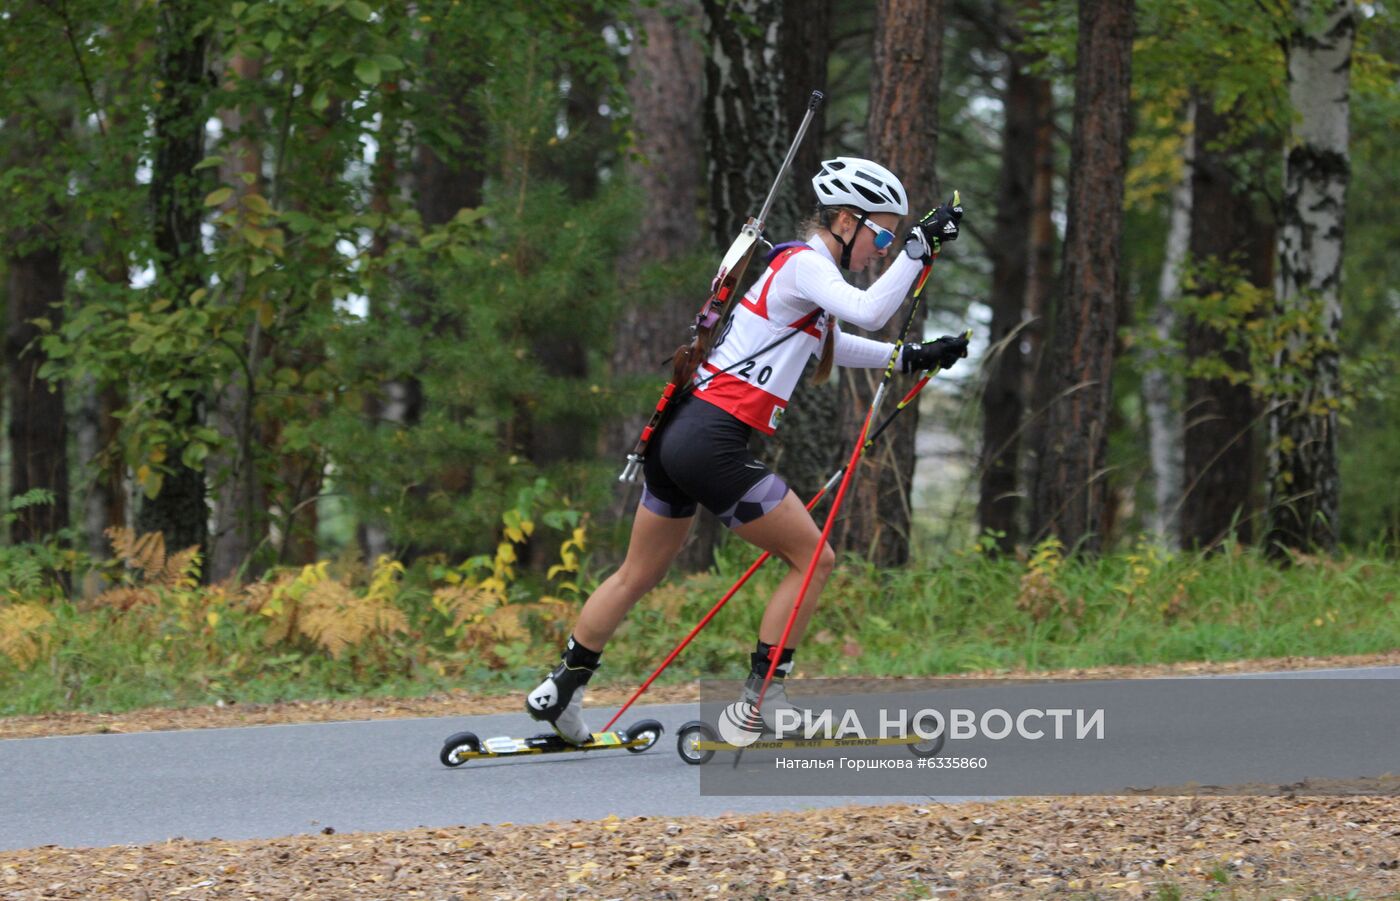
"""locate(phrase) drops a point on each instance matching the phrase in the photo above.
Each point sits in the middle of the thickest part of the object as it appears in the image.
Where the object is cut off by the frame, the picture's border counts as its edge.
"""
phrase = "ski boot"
(558, 700)
(774, 700)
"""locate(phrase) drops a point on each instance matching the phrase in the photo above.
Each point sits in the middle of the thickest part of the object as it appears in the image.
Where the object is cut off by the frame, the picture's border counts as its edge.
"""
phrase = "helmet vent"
(874, 198)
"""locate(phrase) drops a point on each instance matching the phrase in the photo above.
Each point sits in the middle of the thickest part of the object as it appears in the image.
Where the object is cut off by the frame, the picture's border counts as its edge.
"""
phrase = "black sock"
(576, 655)
(762, 656)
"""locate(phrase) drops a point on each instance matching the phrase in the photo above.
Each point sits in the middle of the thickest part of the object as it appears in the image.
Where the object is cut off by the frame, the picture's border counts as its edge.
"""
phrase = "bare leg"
(789, 533)
(654, 544)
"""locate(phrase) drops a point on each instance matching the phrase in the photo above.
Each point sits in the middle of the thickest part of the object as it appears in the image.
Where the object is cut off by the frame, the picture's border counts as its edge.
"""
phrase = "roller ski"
(557, 701)
(465, 746)
(697, 741)
(751, 724)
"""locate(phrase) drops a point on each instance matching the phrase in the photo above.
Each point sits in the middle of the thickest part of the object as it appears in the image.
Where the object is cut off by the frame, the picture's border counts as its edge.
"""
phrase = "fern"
(465, 604)
(146, 554)
(125, 597)
(1039, 596)
(22, 633)
(328, 612)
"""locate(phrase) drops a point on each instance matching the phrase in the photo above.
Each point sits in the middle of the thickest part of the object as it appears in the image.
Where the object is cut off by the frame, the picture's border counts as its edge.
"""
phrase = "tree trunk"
(1040, 290)
(1160, 390)
(902, 134)
(1003, 401)
(1221, 413)
(806, 449)
(240, 507)
(745, 142)
(744, 121)
(38, 425)
(1071, 488)
(1303, 479)
(179, 511)
(108, 500)
(665, 85)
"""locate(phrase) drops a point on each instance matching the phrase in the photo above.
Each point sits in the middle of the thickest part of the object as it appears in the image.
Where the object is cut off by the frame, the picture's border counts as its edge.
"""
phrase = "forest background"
(363, 303)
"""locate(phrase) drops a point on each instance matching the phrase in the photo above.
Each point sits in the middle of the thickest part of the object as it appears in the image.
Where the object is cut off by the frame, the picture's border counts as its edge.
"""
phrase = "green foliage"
(340, 628)
(325, 300)
(496, 306)
(1369, 441)
(155, 636)
(320, 105)
(37, 570)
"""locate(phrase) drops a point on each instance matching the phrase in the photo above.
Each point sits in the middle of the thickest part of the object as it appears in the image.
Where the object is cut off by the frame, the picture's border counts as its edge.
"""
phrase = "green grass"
(970, 613)
(964, 613)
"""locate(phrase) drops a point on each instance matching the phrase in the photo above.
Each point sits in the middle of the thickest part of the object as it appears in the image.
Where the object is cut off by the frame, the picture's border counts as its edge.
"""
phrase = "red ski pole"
(763, 558)
(861, 444)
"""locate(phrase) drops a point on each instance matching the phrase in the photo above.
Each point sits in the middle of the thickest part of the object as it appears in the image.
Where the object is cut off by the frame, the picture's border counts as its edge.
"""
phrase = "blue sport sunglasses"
(883, 236)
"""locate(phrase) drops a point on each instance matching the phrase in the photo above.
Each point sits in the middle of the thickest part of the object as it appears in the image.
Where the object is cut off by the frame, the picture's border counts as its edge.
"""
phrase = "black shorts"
(701, 456)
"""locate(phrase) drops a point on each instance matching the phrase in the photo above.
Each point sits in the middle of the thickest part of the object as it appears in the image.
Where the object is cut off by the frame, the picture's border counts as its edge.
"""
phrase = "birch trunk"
(1160, 393)
(745, 143)
(1303, 477)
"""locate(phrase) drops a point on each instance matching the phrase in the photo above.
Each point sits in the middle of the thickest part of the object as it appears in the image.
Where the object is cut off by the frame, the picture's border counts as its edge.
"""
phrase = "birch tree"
(1159, 391)
(1303, 477)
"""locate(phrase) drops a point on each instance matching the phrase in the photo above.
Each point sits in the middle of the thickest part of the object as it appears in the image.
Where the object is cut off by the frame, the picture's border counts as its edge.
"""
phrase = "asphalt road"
(268, 781)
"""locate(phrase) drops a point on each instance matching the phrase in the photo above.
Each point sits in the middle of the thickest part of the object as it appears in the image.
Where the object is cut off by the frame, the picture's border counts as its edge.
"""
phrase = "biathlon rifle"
(726, 281)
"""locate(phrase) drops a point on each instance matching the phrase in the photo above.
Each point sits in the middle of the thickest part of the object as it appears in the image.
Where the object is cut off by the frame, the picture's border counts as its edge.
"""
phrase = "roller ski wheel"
(689, 739)
(457, 745)
(929, 748)
(642, 735)
(464, 746)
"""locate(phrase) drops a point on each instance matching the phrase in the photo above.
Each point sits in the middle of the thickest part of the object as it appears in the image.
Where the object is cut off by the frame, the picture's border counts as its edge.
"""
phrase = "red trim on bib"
(761, 306)
(746, 402)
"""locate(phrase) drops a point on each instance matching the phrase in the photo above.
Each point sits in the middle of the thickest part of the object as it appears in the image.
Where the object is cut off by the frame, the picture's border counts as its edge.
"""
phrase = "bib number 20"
(764, 374)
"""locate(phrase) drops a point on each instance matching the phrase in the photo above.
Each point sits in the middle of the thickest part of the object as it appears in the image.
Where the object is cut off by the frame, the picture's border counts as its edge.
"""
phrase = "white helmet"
(851, 181)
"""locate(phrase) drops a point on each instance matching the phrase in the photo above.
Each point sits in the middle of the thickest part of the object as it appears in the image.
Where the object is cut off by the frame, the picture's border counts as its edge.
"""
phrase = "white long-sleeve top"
(751, 377)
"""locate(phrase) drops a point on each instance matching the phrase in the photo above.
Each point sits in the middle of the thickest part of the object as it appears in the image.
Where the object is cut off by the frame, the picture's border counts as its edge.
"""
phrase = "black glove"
(926, 237)
(940, 354)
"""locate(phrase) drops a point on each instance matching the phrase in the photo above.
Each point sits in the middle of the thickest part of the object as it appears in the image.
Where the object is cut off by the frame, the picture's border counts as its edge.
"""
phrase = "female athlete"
(740, 381)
